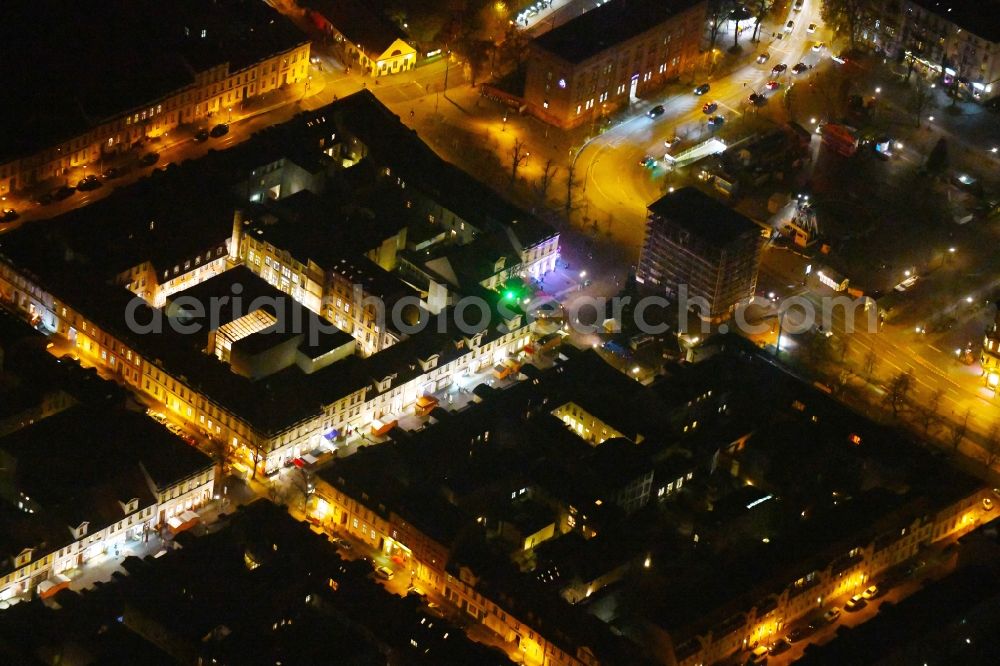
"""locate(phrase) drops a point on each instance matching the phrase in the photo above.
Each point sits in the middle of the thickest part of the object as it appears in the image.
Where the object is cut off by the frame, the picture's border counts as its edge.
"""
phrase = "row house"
(848, 574)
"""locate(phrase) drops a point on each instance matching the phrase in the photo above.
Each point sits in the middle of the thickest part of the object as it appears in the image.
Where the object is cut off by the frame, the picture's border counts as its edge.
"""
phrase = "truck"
(840, 138)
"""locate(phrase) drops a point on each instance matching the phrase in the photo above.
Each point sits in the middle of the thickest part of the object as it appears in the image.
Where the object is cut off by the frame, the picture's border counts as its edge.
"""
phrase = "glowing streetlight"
(878, 90)
(951, 250)
(583, 274)
(968, 299)
(907, 272)
(930, 118)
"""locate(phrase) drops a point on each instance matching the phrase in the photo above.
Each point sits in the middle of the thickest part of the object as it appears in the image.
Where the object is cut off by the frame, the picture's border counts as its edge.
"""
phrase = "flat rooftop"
(704, 216)
(607, 26)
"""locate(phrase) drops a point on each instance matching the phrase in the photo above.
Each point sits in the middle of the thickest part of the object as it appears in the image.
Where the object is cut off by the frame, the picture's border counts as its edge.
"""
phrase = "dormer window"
(81, 531)
(130, 506)
(24, 557)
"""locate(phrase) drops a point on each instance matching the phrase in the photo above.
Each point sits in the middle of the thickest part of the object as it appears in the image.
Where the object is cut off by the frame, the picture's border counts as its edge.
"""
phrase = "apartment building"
(76, 277)
(79, 484)
(699, 247)
(609, 57)
(143, 69)
(957, 41)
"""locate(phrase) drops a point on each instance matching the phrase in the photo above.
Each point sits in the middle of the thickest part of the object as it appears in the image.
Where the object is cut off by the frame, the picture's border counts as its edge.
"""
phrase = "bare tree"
(929, 411)
(717, 14)
(761, 9)
(898, 392)
(846, 16)
(818, 349)
(920, 97)
(548, 175)
(570, 185)
(298, 489)
(958, 430)
(514, 48)
(991, 445)
(870, 362)
(833, 87)
(518, 155)
(788, 100)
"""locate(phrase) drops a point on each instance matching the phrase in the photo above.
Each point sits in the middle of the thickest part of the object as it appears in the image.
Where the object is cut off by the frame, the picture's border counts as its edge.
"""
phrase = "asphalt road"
(614, 184)
(932, 362)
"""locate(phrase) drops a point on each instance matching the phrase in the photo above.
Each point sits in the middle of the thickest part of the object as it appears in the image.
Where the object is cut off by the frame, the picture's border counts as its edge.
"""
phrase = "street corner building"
(696, 242)
(610, 56)
(365, 39)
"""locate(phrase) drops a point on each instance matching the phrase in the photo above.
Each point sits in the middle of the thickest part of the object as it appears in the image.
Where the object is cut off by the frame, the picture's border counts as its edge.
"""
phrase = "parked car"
(855, 603)
(779, 646)
(201, 135)
(818, 46)
(799, 68)
(772, 85)
(811, 29)
(871, 592)
(702, 89)
(831, 615)
(797, 6)
(779, 68)
(790, 26)
(112, 173)
(63, 192)
(222, 129)
(9, 215)
(716, 121)
(385, 573)
(656, 111)
(756, 99)
(435, 610)
(758, 656)
(648, 162)
(709, 107)
(149, 159)
(763, 57)
(800, 633)
(88, 183)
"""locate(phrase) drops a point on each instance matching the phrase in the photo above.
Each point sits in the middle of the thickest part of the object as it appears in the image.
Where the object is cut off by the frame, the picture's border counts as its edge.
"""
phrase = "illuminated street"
(540, 331)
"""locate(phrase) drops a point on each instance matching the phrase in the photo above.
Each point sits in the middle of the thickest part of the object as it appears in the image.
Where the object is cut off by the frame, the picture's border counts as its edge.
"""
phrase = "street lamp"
(230, 119)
